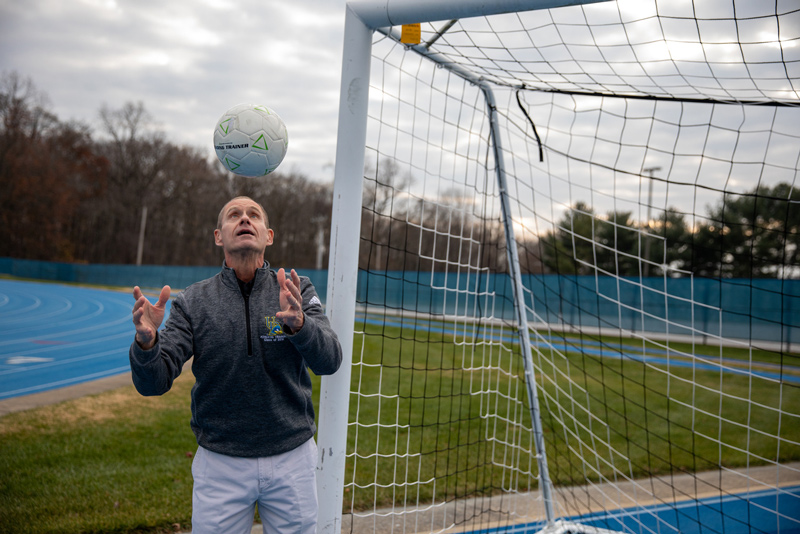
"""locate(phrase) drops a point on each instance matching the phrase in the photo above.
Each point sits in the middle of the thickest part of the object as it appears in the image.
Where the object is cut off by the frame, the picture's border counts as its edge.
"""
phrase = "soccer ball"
(250, 140)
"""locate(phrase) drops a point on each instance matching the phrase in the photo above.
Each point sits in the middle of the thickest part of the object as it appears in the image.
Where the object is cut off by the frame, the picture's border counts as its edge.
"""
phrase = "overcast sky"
(187, 61)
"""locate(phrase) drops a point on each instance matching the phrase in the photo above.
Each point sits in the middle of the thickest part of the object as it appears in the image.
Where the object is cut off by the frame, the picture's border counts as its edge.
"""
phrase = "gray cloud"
(187, 62)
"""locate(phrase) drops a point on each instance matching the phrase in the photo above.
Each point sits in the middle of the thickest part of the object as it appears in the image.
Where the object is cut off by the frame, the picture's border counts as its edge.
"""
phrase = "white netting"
(651, 151)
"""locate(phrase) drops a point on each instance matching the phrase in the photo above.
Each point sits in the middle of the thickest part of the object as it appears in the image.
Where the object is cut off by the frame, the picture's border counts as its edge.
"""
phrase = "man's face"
(243, 228)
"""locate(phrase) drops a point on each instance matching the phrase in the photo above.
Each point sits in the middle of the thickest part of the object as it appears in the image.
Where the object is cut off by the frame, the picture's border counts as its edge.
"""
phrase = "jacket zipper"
(247, 321)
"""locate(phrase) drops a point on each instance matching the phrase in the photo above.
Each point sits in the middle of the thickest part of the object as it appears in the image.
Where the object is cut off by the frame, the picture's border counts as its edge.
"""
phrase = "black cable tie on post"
(538, 139)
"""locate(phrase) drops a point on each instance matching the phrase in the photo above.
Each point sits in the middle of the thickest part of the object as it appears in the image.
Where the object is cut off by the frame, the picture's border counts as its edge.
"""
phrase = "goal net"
(566, 260)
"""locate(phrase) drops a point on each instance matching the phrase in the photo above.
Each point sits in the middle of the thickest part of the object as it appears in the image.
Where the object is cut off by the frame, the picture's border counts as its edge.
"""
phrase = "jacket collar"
(230, 280)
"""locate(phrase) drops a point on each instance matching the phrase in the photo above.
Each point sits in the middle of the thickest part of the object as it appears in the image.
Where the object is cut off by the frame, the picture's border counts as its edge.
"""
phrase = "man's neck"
(245, 266)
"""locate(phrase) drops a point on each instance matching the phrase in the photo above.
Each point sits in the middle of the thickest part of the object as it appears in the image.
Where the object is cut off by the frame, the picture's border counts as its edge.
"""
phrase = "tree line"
(754, 234)
(74, 195)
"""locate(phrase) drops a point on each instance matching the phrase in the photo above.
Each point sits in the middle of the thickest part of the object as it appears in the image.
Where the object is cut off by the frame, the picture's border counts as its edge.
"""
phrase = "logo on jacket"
(274, 330)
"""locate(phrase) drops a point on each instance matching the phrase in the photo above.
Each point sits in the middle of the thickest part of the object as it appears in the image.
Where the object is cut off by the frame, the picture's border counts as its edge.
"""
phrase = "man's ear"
(270, 236)
(218, 238)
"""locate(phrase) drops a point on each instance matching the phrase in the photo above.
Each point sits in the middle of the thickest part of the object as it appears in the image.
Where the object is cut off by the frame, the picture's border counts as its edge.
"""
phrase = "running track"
(52, 336)
(765, 512)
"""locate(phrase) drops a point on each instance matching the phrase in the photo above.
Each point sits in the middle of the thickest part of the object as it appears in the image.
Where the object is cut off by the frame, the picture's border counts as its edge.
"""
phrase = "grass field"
(114, 462)
(443, 420)
(119, 462)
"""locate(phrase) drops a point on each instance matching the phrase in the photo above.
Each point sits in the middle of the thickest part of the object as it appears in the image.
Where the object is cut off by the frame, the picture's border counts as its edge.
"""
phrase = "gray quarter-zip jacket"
(252, 395)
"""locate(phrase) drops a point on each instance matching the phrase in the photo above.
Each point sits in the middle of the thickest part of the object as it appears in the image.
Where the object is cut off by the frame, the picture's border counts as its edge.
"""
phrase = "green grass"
(613, 415)
(114, 462)
(119, 462)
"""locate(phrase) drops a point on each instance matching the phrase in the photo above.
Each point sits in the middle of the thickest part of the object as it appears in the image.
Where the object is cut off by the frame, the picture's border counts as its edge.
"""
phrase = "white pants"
(226, 490)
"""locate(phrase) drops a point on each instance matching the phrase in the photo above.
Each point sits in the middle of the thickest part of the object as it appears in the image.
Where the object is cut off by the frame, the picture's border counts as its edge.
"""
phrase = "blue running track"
(52, 336)
(773, 511)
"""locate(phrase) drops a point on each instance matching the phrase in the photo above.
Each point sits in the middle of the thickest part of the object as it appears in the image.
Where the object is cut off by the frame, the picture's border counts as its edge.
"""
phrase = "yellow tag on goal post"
(411, 34)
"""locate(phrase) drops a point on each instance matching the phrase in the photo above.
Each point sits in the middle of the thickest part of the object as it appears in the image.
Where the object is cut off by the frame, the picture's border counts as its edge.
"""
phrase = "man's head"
(243, 227)
(222, 211)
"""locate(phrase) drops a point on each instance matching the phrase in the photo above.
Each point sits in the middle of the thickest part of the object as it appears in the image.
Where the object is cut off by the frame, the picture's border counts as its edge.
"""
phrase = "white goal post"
(362, 18)
(596, 210)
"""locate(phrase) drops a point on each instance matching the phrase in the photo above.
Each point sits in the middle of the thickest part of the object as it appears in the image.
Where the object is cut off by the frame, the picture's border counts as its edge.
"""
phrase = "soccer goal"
(565, 269)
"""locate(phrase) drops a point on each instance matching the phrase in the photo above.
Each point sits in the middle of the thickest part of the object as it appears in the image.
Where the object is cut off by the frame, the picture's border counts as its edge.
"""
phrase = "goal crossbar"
(386, 13)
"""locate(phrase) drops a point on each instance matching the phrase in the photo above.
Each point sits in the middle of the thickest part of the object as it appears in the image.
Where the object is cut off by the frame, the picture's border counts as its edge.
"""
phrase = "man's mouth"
(245, 232)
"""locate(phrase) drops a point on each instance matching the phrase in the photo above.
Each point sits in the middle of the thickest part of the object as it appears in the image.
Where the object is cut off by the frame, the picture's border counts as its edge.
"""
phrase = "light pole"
(142, 225)
(650, 171)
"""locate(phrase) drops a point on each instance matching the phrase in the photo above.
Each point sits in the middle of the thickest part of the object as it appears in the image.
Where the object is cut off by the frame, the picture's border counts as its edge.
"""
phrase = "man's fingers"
(297, 299)
(163, 297)
(294, 287)
(139, 304)
(145, 313)
(142, 301)
(138, 316)
(281, 277)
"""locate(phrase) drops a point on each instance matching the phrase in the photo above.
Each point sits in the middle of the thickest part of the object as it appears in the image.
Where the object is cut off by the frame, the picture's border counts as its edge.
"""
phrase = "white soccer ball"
(250, 140)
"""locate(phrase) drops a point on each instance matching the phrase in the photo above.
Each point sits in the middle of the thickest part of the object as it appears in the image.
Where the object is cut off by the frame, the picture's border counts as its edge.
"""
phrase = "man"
(253, 332)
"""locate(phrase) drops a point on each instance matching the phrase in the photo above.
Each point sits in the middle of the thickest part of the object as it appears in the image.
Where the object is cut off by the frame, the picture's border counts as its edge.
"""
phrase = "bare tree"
(46, 168)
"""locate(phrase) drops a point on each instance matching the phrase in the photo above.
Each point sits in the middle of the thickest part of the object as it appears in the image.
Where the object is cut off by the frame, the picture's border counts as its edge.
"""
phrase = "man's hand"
(147, 317)
(291, 301)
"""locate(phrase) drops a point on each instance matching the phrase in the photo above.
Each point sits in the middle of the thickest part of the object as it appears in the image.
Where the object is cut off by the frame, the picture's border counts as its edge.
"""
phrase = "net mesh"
(651, 152)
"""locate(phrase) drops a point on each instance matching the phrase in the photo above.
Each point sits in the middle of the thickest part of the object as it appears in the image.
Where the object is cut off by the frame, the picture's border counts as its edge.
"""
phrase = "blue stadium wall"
(762, 309)
(759, 309)
(144, 276)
